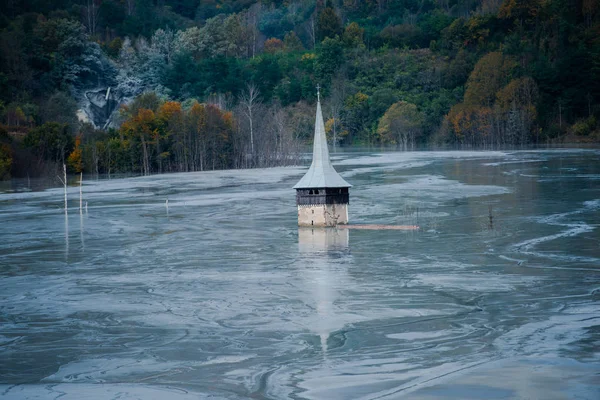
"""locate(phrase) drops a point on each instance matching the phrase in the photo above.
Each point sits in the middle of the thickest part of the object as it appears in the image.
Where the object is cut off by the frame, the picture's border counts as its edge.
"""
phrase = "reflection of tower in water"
(324, 273)
(317, 240)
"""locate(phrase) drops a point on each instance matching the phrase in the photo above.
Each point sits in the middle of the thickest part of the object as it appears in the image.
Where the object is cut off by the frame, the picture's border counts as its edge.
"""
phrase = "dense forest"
(147, 86)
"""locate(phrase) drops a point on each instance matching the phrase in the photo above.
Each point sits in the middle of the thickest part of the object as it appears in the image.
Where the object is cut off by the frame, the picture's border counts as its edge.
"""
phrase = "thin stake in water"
(64, 182)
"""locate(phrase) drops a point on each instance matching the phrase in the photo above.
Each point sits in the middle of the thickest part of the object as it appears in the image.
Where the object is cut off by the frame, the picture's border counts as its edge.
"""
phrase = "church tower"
(322, 194)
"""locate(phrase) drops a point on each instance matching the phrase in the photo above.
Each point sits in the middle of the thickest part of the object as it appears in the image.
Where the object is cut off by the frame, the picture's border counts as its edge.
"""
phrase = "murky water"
(220, 295)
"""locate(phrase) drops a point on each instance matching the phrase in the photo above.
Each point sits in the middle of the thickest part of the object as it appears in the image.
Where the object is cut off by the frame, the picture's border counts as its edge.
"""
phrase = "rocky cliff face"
(100, 107)
(99, 94)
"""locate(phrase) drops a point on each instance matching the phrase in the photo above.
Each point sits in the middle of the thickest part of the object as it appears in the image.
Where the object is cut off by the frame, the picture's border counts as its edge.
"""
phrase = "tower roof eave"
(321, 179)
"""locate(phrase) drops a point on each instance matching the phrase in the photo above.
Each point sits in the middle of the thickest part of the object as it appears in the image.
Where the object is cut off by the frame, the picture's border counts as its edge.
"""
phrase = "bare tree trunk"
(65, 185)
(186, 146)
(91, 14)
(334, 134)
(130, 6)
(312, 32)
(559, 114)
(203, 156)
(279, 121)
(159, 159)
(109, 159)
(249, 100)
(252, 18)
(95, 158)
(145, 155)
(251, 131)
(254, 40)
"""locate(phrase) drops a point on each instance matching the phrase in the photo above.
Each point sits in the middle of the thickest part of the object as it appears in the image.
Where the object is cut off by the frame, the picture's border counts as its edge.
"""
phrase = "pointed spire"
(321, 173)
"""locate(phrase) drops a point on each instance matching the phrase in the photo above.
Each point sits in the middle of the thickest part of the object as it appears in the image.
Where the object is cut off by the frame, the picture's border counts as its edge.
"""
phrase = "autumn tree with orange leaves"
(497, 110)
(75, 161)
(140, 130)
(172, 138)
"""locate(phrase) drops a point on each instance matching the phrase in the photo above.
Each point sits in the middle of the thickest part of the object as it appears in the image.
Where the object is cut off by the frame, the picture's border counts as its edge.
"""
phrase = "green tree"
(354, 116)
(353, 35)
(6, 161)
(63, 44)
(401, 124)
(329, 24)
(521, 11)
(60, 107)
(401, 35)
(266, 73)
(457, 72)
(50, 141)
(291, 42)
(380, 101)
(330, 55)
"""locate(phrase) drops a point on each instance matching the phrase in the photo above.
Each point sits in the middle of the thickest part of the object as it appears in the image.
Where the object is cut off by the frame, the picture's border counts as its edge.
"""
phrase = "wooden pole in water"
(64, 182)
(80, 193)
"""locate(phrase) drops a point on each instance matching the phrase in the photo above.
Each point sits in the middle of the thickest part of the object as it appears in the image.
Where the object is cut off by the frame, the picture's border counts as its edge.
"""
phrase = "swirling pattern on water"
(218, 294)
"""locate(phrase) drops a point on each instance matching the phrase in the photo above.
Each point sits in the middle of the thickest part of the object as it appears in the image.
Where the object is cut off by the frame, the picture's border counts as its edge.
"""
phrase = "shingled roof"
(321, 173)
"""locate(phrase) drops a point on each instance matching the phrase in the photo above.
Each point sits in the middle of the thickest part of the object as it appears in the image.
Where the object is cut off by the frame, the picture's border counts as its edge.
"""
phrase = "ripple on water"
(218, 297)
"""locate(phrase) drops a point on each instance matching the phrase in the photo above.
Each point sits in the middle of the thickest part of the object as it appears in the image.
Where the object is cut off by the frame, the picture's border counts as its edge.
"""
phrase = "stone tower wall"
(323, 215)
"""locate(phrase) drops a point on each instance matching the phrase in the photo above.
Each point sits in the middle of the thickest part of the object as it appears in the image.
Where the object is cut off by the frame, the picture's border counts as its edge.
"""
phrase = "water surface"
(218, 294)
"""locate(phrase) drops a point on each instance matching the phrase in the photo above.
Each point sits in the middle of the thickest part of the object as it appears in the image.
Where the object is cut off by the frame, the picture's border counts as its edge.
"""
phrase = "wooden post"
(80, 193)
(63, 180)
(65, 184)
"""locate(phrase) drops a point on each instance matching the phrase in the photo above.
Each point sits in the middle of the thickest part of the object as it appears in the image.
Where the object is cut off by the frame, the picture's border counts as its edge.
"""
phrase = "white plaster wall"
(323, 215)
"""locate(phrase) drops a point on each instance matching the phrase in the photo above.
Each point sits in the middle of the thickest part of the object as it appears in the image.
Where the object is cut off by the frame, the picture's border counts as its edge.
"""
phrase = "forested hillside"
(145, 86)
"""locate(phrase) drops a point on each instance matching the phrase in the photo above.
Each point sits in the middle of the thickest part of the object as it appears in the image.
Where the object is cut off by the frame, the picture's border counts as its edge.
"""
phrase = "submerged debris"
(381, 227)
